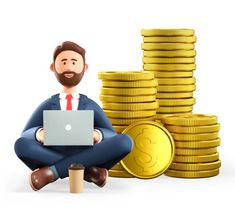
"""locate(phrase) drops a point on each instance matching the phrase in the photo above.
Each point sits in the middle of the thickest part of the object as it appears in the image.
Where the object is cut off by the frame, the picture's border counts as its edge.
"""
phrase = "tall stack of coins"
(170, 55)
(128, 97)
(196, 140)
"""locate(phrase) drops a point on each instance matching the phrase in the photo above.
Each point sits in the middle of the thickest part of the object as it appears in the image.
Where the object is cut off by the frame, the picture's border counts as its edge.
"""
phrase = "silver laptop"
(68, 127)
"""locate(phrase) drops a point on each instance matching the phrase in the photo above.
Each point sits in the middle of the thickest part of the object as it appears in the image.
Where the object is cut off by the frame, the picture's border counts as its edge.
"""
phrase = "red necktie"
(69, 102)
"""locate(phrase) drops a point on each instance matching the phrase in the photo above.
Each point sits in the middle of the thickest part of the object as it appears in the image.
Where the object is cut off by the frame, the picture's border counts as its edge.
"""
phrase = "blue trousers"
(104, 154)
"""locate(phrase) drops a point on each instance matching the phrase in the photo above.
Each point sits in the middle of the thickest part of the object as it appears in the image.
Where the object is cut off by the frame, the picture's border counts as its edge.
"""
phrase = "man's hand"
(40, 136)
(96, 137)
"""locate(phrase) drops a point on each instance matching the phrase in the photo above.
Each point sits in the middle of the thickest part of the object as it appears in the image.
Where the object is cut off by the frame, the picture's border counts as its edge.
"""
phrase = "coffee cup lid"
(76, 166)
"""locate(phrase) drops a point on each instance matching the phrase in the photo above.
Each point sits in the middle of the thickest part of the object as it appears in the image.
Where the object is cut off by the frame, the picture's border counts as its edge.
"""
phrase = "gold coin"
(194, 137)
(170, 53)
(193, 129)
(130, 121)
(153, 150)
(130, 84)
(119, 174)
(169, 67)
(130, 106)
(167, 32)
(176, 88)
(191, 120)
(167, 46)
(119, 129)
(192, 174)
(176, 109)
(130, 114)
(173, 74)
(198, 144)
(127, 99)
(176, 81)
(174, 95)
(177, 102)
(126, 75)
(195, 166)
(128, 91)
(118, 166)
(151, 60)
(160, 116)
(179, 39)
(196, 159)
(184, 151)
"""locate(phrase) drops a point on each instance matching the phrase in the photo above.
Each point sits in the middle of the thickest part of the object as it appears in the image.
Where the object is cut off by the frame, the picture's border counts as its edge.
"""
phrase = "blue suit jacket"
(101, 122)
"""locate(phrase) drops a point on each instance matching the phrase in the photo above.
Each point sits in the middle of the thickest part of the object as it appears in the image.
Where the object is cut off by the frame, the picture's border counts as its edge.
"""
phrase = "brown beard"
(69, 82)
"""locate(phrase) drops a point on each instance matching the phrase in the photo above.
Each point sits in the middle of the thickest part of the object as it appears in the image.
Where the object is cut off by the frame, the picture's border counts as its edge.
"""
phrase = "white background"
(110, 32)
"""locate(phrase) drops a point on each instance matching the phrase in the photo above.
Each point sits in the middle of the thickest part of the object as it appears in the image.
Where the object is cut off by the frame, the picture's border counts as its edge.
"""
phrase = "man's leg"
(108, 151)
(34, 154)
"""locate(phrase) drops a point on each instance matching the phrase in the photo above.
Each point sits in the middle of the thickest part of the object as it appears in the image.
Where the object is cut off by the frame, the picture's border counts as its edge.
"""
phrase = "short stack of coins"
(196, 140)
(128, 97)
(170, 55)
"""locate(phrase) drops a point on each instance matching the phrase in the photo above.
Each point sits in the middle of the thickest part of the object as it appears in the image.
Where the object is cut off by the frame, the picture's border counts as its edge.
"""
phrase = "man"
(51, 162)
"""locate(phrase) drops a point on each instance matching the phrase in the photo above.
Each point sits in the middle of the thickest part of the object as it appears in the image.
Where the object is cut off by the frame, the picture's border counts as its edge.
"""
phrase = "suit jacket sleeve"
(101, 121)
(36, 120)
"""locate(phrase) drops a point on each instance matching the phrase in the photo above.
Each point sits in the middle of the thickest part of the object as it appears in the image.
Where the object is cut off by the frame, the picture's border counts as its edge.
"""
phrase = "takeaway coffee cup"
(76, 175)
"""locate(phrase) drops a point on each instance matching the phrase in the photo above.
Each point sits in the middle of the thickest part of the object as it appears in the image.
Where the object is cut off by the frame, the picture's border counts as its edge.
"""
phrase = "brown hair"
(69, 46)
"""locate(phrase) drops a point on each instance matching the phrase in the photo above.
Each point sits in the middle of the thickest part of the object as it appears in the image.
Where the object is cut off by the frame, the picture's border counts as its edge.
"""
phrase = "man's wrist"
(100, 135)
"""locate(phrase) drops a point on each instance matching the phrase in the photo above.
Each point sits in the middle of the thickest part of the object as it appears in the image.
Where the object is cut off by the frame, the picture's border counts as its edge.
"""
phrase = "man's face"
(69, 68)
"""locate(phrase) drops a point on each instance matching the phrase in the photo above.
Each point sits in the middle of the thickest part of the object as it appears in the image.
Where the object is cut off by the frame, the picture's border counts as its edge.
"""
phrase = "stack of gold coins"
(196, 140)
(170, 55)
(128, 97)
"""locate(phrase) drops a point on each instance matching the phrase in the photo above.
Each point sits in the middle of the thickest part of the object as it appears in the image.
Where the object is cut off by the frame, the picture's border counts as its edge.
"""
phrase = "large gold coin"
(130, 106)
(173, 74)
(167, 32)
(196, 159)
(176, 81)
(153, 150)
(194, 137)
(130, 84)
(191, 120)
(174, 95)
(127, 99)
(179, 39)
(195, 166)
(198, 144)
(169, 67)
(151, 60)
(176, 88)
(119, 174)
(176, 109)
(125, 75)
(193, 129)
(130, 114)
(192, 174)
(184, 151)
(167, 46)
(176, 102)
(118, 167)
(119, 129)
(129, 91)
(170, 53)
(125, 122)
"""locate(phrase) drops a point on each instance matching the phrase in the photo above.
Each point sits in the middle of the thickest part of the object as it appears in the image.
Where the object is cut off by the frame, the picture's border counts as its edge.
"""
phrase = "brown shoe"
(41, 177)
(97, 175)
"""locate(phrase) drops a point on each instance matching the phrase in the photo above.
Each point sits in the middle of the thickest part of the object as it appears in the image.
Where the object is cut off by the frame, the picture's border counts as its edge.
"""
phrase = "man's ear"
(85, 67)
(52, 67)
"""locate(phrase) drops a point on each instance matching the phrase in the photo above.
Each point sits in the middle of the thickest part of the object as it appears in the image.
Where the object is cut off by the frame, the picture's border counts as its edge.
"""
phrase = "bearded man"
(48, 163)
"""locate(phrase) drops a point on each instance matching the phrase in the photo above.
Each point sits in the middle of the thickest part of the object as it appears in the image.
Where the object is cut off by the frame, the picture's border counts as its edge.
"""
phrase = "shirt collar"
(75, 95)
